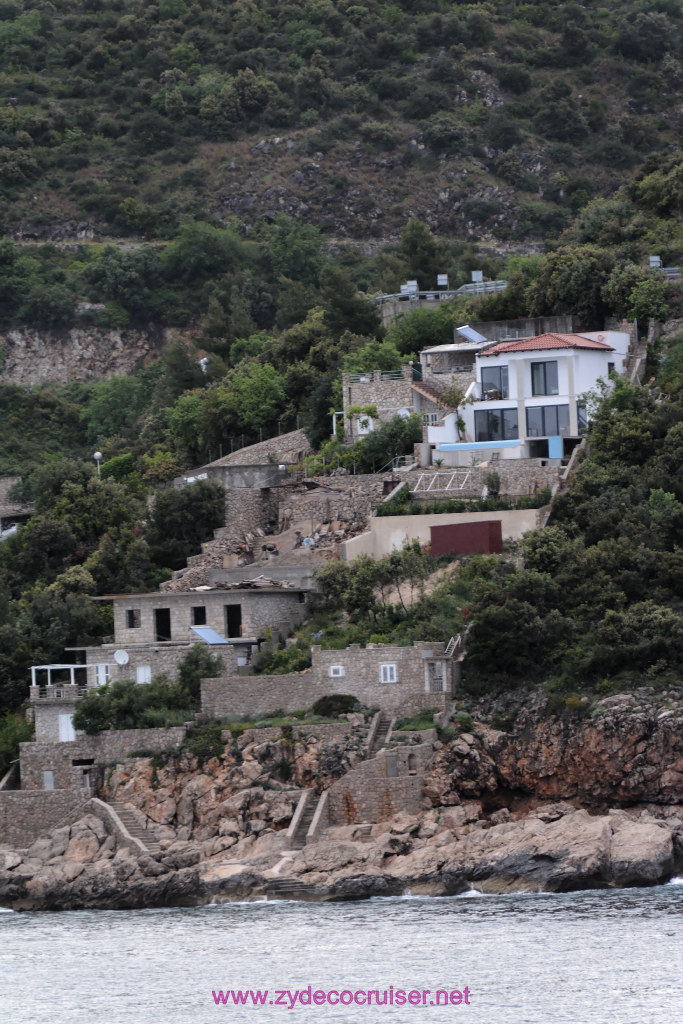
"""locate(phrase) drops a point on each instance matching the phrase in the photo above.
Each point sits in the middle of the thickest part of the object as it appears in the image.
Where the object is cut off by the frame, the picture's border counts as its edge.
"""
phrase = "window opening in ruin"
(233, 620)
(133, 618)
(199, 615)
(162, 624)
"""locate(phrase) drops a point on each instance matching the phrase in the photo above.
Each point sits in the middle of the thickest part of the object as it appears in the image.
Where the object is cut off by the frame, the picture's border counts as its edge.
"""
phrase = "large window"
(547, 421)
(544, 379)
(494, 382)
(496, 425)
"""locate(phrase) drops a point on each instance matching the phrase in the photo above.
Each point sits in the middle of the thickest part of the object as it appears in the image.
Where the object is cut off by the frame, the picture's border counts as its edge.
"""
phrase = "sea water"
(609, 957)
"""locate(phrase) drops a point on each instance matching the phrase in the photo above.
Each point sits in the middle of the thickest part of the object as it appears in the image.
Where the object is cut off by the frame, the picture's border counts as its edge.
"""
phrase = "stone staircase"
(381, 734)
(427, 391)
(133, 826)
(288, 889)
(299, 840)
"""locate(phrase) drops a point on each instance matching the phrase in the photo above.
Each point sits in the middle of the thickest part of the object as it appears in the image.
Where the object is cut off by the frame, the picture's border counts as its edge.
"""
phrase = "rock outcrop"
(590, 798)
(556, 849)
(83, 352)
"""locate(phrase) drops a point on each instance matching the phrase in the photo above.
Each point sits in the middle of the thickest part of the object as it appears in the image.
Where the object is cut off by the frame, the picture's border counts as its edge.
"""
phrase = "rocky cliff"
(588, 798)
(85, 352)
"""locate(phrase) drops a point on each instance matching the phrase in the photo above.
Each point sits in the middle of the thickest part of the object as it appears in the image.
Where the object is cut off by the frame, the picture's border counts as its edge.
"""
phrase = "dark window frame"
(505, 431)
(540, 384)
(499, 383)
(546, 412)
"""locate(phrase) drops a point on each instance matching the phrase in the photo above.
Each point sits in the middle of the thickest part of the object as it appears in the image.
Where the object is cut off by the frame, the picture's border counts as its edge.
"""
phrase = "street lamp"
(98, 458)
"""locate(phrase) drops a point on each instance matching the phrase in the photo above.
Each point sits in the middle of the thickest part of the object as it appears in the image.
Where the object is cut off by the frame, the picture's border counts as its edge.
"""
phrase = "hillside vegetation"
(498, 118)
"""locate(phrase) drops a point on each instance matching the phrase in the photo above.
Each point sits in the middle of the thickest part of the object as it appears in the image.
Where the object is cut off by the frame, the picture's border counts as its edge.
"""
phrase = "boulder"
(641, 853)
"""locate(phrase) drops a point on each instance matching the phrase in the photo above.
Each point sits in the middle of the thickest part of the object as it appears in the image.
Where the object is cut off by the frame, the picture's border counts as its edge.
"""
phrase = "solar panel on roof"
(469, 333)
(209, 636)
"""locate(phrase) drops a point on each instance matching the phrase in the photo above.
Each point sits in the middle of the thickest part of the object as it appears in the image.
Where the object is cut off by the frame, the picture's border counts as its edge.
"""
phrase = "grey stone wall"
(362, 675)
(25, 816)
(347, 497)
(376, 388)
(517, 476)
(260, 609)
(106, 748)
(380, 788)
(246, 509)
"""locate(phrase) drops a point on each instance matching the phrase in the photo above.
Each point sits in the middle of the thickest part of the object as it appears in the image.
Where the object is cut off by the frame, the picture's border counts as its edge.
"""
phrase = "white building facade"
(526, 401)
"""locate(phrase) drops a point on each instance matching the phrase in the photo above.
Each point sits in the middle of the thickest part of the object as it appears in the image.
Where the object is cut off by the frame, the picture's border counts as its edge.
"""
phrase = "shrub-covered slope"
(498, 117)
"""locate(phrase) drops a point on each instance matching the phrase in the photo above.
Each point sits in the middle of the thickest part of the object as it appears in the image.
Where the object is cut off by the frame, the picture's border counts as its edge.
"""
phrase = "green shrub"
(14, 729)
(424, 719)
(335, 704)
(463, 721)
(205, 741)
(128, 705)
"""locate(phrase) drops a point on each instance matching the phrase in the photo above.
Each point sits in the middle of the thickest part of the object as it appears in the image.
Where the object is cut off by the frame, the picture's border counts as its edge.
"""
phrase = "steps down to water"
(381, 734)
(135, 829)
(299, 840)
(287, 888)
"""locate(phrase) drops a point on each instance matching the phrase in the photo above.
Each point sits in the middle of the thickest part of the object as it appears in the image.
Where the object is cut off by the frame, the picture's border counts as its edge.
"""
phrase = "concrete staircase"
(381, 734)
(299, 840)
(133, 826)
(287, 889)
(427, 391)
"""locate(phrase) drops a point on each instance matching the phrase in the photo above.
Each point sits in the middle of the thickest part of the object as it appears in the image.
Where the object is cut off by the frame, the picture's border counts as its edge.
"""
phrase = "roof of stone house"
(547, 341)
(455, 346)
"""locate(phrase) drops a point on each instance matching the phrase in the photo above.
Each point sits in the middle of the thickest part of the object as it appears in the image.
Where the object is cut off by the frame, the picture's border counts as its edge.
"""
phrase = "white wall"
(389, 533)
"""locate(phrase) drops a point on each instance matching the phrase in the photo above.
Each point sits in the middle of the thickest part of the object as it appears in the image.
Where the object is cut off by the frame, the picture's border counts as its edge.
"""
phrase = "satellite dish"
(121, 657)
(403, 413)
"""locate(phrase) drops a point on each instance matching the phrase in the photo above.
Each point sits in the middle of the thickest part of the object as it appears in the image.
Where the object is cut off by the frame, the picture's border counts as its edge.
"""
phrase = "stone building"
(389, 391)
(396, 679)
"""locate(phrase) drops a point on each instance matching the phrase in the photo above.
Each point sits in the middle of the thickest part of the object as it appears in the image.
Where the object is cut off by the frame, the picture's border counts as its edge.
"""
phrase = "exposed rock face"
(630, 751)
(80, 353)
(500, 814)
(557, 849)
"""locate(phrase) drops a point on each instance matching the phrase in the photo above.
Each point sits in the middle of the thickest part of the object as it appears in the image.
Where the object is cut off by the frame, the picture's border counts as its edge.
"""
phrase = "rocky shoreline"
(557, 848)
(591, 799)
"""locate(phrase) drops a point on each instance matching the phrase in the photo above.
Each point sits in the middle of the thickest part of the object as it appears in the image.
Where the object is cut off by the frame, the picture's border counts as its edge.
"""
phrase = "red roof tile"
(546, 341)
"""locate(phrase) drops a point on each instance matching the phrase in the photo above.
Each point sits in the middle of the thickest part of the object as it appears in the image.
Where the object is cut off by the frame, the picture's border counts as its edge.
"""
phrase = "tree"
(181, 518)
(425, 255)
(201, 251)
(199, 663)
(345, 308)
(647, 301)
(571, 280)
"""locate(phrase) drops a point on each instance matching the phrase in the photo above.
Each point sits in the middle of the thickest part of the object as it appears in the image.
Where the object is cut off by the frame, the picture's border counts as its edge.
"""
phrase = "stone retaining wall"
(517, 477)
(347, 497)
(372, 792)
(24, 816)
(106, 748)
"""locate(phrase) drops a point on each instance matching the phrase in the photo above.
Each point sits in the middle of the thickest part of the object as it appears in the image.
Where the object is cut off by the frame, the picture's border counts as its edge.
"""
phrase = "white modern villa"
(526, 399)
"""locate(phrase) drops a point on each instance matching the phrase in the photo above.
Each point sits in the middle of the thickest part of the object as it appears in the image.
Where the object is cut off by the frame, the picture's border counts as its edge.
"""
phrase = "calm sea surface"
(584, 958)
